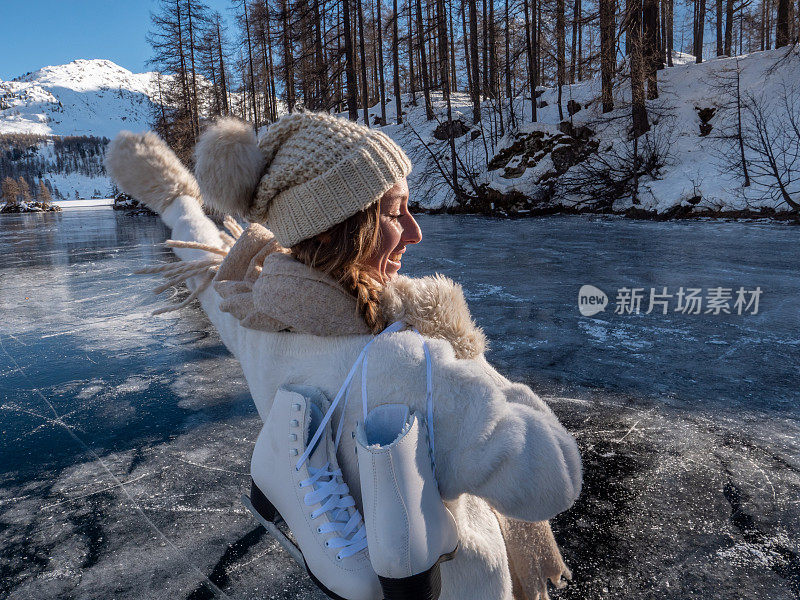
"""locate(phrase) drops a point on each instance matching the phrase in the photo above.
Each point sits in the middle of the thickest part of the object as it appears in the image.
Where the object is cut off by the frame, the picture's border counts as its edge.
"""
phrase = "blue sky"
(37, 33)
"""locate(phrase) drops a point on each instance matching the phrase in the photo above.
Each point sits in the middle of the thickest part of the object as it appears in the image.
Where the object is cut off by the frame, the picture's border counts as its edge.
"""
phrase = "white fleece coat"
(498, 445)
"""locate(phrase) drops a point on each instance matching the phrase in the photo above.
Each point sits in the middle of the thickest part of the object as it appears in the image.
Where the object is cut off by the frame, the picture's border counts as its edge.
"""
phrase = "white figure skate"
(409, 529)
(300, 482)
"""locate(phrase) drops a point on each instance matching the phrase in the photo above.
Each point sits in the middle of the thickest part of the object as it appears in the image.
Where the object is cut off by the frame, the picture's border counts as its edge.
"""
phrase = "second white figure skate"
(409, 529)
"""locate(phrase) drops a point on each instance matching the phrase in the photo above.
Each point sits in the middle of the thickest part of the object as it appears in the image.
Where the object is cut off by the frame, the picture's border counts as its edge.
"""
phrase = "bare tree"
(772, 139)
(350, 63)
(607, 53)
(670, 12)
(783, 25)
(11, 191)
(23, 190)
(728, 127)
(288, 55)
(426, 88)
(43, 194)
(381, 83)
(475, 89)
(639, 111)
(560, 53)
(398, 107)
(362, 52)
(651, 57)
(615, 170)
(699, 28)
(575, 58)
(728, 26)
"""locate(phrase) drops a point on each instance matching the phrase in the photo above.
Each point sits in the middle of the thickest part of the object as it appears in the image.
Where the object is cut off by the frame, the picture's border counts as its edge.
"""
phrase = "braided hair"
(342, 252)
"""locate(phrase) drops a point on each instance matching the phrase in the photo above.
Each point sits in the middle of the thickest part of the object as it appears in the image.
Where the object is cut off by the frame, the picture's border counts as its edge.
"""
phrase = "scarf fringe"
(204, 268)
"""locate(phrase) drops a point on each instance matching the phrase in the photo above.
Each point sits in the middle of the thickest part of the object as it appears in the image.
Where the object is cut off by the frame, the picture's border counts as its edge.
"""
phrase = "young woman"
(315, 276)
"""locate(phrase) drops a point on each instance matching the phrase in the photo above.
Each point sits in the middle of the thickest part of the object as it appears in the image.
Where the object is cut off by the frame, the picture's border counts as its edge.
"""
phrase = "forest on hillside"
(349, 55)
(28, 162)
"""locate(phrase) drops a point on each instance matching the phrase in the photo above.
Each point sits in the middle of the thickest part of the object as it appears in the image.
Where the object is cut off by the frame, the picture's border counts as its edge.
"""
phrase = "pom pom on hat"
(228, 166)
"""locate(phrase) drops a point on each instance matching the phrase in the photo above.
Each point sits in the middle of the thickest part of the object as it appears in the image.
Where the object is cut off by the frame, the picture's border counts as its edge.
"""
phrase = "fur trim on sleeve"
(435, 305)
(144, 167)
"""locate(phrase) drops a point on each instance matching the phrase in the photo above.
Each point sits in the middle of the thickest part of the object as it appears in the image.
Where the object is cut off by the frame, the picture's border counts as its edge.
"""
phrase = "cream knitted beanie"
(307, 172)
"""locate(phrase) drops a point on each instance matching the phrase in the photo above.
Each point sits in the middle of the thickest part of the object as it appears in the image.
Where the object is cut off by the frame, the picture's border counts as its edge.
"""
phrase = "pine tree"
(44, 194)
(10, 189)
(23, 190)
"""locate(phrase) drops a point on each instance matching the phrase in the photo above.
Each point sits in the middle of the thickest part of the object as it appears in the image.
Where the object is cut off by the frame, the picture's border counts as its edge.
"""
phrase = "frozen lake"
(126, 438)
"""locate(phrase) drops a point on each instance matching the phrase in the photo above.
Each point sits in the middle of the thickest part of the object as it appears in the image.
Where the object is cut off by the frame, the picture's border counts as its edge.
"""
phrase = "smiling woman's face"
(398, 229)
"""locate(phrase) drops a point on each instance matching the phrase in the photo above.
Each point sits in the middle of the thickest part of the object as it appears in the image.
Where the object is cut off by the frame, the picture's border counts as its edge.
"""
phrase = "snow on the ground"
(695, 164)
(84, 203)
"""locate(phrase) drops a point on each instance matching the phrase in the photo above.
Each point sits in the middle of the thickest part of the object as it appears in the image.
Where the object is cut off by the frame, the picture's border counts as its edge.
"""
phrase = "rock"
(705, 114)
(515, 171)
(573, 107)
(571, 153)
(128, 203)
(29, 207)
(581, 132)
(444, 131)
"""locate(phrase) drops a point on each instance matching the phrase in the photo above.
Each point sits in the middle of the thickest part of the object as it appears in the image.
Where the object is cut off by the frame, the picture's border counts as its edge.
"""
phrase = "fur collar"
(436, 306)
(268, 289)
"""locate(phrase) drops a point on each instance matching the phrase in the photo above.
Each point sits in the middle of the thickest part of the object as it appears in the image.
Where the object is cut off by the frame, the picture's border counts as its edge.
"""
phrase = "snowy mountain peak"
(84, 97)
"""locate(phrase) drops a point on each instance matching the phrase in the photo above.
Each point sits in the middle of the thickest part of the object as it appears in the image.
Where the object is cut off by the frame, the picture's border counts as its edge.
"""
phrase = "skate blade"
(276, 533)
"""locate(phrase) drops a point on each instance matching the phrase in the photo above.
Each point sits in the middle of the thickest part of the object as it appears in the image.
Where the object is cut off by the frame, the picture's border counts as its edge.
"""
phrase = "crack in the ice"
(220, 572)
(789, 566)
(136, 506)
(91, 528)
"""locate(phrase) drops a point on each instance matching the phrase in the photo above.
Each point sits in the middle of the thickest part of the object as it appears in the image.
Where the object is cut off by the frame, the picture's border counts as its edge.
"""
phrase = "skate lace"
(329, 489)
(334, 498)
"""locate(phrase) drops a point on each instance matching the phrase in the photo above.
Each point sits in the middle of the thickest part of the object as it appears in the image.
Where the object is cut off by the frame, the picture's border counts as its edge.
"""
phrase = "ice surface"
(688, 424)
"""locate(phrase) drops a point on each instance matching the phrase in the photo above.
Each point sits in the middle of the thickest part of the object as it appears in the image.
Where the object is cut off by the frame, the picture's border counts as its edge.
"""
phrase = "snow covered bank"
(689, 164)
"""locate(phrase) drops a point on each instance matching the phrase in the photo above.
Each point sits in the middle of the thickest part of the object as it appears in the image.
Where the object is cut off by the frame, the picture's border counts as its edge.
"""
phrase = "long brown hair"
(342, 252)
